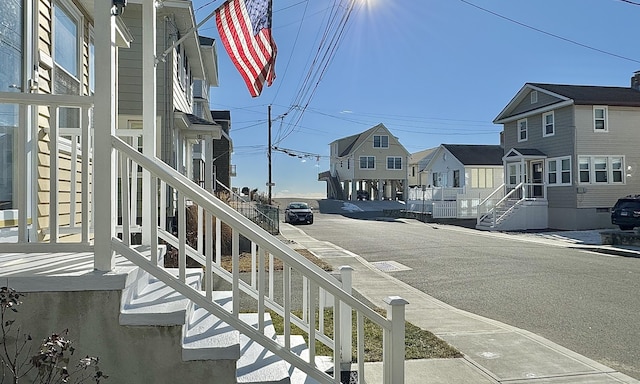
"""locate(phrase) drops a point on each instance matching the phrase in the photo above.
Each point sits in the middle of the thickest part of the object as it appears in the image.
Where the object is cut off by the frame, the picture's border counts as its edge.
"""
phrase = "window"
(534, 97)
(435, 176)
(601, 169)
(616, 169)
(380, 141)
(600, 119)
(559, 171)
(11, 62)
(516, 174)
(367, 162)
(585, 170)
(394, 162)
(481, 178)
(66, 50)
(548, 126)
(456, 178)
(522, 130)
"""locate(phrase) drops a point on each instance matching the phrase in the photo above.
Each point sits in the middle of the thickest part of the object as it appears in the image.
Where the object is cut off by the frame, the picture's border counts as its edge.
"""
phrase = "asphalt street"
(584, 301)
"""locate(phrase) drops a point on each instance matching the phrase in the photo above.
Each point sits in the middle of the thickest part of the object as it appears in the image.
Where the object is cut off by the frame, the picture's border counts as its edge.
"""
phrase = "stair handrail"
(485, 201)
(505, 198)
(237, 198)
(186, 189)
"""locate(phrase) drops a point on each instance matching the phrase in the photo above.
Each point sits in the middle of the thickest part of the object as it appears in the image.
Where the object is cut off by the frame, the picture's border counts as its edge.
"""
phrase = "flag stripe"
(253, 56)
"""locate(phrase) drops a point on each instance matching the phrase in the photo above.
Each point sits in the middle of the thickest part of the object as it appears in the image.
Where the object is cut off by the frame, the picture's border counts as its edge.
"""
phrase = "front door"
(537, 178)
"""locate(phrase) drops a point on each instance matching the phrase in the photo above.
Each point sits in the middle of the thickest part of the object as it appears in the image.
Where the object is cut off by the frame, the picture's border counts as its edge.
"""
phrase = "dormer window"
(380, 141)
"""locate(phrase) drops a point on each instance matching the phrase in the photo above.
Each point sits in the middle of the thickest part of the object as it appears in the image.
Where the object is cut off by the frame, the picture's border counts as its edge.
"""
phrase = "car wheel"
(311, 221)
(626, 227)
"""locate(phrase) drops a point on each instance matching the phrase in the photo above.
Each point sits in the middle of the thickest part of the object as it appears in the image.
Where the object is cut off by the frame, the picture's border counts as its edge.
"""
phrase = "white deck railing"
(267, 250)
(39, 196)
(52, 173)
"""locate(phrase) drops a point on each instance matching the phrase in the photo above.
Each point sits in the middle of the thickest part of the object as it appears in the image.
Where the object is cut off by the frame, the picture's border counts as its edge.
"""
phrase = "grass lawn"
(419, 343)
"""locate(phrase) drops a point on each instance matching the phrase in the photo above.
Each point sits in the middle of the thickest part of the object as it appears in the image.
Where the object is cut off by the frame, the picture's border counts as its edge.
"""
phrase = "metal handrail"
(485, 201)
(272, 225)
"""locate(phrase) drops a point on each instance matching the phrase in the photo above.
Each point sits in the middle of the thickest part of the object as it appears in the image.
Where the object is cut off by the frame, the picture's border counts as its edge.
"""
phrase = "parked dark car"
(298, 212)
(362, 195)
(626, 212)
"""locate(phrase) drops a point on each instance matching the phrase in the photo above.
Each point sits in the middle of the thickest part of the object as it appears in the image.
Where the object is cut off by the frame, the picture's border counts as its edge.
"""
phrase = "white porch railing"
(268, 250)
(52, 172)
(434, 193)
(40, 215)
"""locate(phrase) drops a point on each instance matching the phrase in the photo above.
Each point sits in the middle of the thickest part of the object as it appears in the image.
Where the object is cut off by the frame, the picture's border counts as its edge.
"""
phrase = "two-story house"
(186, 70)
(573, 149)
(373, 161)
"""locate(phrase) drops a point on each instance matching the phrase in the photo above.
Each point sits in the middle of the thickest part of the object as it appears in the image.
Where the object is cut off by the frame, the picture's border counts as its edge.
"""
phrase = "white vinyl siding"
(367, 162)
(548, 124)
(559, 171)
(394, 162)
(600, 119)
(523, 130)
(601, 169)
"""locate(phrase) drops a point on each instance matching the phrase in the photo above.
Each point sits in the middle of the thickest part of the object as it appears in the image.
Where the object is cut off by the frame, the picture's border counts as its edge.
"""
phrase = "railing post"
(345, 316)
(393, 354)
(105, 114)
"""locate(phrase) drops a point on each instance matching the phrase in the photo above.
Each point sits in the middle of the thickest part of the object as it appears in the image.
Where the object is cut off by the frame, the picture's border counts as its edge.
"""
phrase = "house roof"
(348, 144)
(476, 154)
(565, 95)
(415, 158)
(591, 94)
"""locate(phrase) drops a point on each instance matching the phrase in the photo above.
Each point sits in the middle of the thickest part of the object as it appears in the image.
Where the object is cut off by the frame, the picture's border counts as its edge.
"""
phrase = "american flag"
(245, 30)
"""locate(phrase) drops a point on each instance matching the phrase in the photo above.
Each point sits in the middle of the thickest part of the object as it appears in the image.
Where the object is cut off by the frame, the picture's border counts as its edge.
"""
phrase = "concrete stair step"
(206, 337)
(157, 303)
(257, 365)
(300, 348)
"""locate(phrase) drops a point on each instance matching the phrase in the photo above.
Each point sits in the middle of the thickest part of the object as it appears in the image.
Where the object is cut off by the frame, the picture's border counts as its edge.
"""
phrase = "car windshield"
(298, 206)
(629, 204)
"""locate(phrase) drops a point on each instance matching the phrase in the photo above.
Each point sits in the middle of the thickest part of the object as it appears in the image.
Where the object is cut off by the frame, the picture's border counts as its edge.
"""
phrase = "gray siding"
(560, 144)
(622, 139)
(130, 68)
(525, 105)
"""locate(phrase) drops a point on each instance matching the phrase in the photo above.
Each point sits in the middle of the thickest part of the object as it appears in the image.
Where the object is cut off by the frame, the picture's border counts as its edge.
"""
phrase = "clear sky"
(432, 71)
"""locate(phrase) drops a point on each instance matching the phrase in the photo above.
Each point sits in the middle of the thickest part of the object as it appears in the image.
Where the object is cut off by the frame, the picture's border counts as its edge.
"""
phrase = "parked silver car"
(298, 212)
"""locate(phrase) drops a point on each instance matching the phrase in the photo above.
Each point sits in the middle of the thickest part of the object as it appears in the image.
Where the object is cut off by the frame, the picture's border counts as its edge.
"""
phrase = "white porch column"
(105, 124)
(149, 224)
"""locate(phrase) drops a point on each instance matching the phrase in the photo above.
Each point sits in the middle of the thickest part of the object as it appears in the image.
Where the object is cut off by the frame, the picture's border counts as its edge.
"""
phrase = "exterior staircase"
(501, 213)
(148, 302)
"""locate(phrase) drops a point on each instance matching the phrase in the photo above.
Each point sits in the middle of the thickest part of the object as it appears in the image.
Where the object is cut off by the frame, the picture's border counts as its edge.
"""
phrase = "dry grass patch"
(245, 261)
(419, 343)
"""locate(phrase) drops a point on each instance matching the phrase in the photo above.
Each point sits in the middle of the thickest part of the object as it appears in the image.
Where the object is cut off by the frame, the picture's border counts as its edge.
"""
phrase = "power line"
(630, 2)
(554, 35)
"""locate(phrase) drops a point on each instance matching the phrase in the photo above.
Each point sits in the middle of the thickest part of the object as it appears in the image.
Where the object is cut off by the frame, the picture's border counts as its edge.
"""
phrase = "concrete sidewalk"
(493, 352)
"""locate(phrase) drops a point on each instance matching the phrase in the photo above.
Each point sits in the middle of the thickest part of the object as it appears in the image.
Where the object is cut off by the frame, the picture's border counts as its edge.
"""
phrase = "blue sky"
(432, 71)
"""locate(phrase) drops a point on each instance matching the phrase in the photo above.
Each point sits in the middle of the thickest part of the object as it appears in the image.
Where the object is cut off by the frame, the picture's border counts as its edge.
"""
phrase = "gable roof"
(349, 144)
(416, 157)
(476, 154)
(591, 94)
(569, 95)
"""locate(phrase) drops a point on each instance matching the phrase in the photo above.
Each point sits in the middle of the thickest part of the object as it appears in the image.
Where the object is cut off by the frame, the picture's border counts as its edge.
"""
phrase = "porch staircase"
(501, 212)
(148, 302)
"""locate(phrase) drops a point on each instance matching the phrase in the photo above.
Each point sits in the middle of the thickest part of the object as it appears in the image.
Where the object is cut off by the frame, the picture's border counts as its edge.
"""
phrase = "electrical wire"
(553, 34)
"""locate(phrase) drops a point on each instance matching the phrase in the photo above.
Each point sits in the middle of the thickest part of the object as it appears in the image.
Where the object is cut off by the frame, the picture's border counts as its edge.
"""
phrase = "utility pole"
(269, 183)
